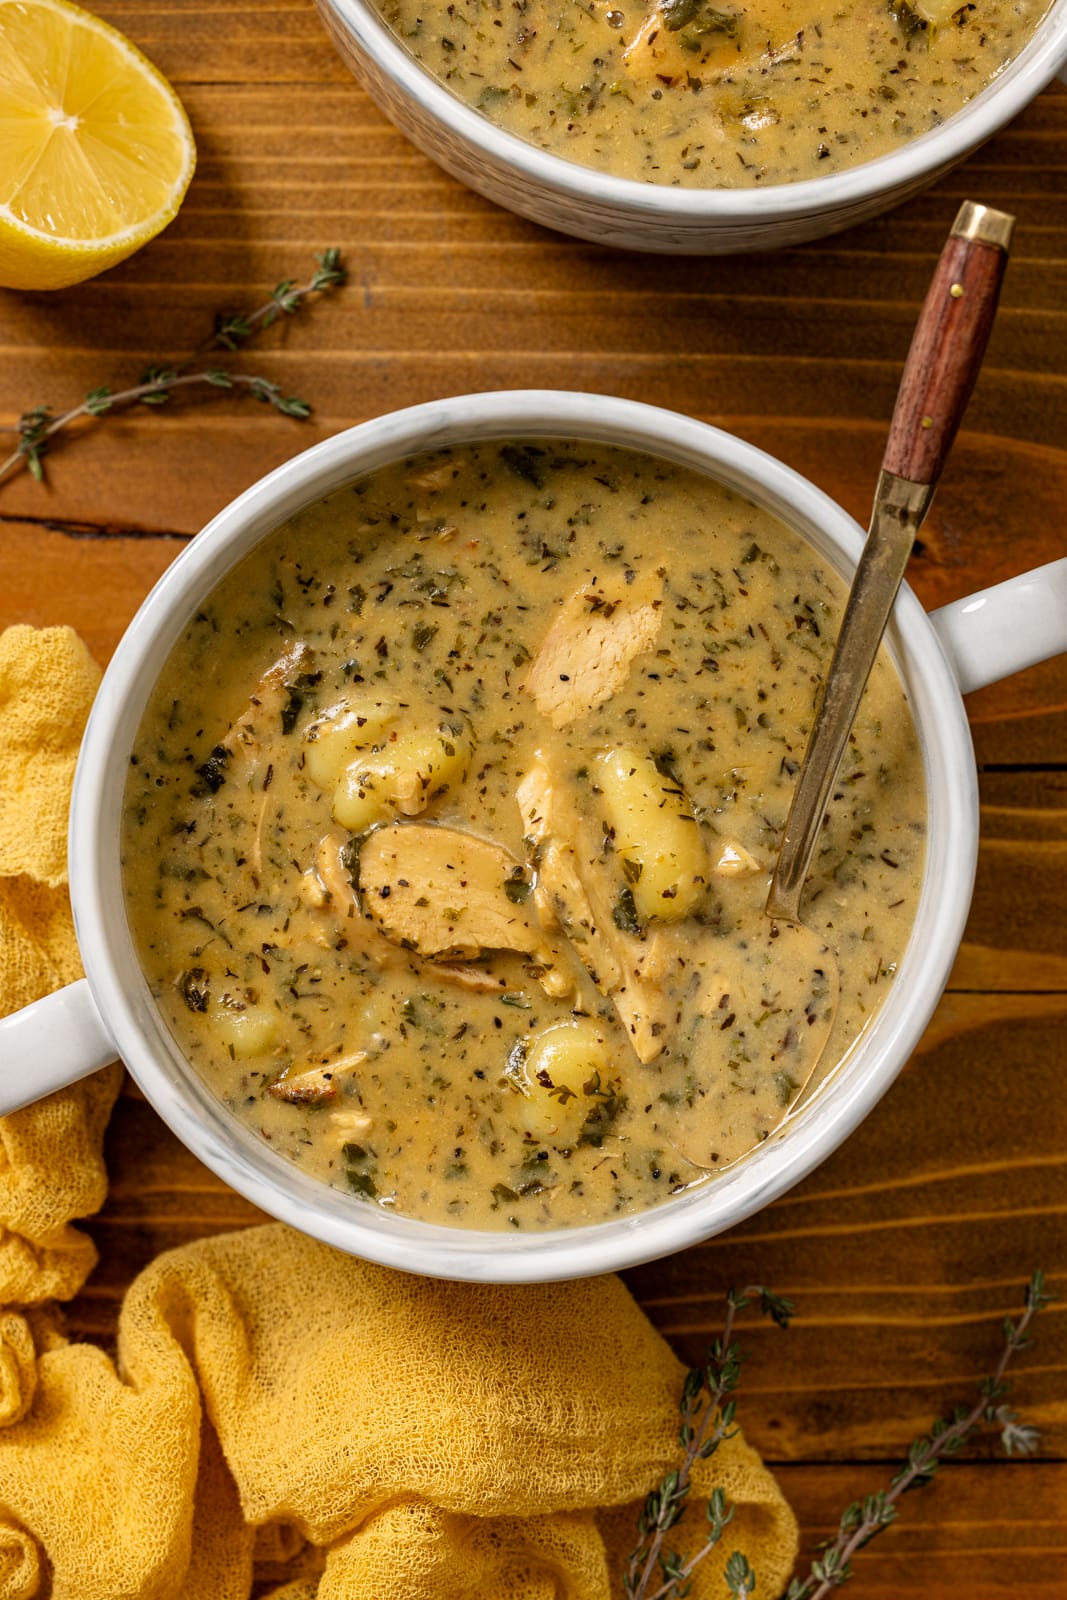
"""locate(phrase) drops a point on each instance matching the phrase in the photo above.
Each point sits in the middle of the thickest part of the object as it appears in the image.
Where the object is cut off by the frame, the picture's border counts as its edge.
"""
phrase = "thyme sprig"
(234, 330)
(708, 1411)
(38, 427)
(707, 1422)
(863, 1521)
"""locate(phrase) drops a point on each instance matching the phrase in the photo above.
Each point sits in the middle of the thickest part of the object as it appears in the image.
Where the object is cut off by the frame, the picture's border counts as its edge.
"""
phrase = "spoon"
(943, 362)
(793, 972)
(946, 353)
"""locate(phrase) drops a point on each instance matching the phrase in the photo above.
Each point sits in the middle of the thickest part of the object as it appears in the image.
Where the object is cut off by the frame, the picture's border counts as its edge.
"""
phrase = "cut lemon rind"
(108, 156)
(31, 259)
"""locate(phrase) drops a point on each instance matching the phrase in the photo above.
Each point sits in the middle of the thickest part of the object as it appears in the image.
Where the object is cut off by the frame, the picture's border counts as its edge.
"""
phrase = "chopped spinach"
(195, 988)
(699, 17)
(526, 462)
(624, 913)
(213, 770)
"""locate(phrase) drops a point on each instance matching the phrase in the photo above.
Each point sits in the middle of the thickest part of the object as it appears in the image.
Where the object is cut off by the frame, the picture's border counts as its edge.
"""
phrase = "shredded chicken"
(434, 479)
(239, 753)
(660, 51)
(578, 892)
(350, 1124)
(317, 1084)
(331, 874)
(329, 909)
(477, 980)
(243, 741)
(735, 861)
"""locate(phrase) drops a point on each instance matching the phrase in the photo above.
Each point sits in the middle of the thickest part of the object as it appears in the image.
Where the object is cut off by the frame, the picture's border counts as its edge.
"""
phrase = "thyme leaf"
(195, 988)
(909, 19)
(517, 887)
(624, 912)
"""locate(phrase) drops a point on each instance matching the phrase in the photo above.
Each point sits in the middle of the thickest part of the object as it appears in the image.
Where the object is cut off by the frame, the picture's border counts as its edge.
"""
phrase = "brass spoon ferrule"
(984, 224)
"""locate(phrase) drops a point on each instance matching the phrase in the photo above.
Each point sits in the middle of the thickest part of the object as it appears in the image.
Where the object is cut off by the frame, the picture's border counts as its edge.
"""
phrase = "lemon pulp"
(96, 152)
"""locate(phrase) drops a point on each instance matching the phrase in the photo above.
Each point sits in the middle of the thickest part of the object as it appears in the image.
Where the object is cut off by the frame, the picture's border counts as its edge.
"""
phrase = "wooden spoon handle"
(948, 344)
(939, 375)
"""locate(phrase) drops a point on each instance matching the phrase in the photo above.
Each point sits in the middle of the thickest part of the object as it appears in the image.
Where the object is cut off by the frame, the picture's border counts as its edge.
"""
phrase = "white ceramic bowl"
(112, 1013)
(647, 216)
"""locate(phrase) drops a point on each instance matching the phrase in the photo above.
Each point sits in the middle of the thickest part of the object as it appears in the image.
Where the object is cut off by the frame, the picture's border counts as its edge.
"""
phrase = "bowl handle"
(998, 631)
(51, 1044)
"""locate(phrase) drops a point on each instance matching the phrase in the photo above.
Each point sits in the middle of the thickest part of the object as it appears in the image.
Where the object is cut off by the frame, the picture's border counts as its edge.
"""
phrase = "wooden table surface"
(906, 1249)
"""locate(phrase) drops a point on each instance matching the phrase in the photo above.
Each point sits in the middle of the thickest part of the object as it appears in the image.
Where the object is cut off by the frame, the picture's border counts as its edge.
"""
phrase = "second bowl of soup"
(699, 127)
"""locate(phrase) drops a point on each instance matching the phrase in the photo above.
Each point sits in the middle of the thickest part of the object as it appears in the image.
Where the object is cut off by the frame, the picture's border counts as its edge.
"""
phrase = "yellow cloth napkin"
(359, 1433)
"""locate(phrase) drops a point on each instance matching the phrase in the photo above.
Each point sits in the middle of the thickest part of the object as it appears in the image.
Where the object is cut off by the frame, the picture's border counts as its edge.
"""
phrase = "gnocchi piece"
(656, 835)
(334, 738)
(564, 1076)
(423, 764)
(360, 799)
(250, 1031)
(410, 771)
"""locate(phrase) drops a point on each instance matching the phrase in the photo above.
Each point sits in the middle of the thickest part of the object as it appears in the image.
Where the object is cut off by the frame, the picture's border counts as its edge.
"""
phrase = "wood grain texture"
(964, 1536)
(908, 1246)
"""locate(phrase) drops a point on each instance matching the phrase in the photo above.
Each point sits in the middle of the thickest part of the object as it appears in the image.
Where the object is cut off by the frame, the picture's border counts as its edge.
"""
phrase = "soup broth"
(712, 94)
(449, 824)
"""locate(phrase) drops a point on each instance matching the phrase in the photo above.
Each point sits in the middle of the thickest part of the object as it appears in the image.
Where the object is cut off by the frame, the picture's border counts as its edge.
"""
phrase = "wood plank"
(1015, 934)
(975, 1532)
(87, 580)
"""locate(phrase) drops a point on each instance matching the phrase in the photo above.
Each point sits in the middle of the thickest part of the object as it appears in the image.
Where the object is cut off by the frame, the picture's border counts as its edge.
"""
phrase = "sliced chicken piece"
(332, 906)
(440, 891)
(316, 1084)
(444, 894)
(586, 655)
(273, 701)
(581, 893)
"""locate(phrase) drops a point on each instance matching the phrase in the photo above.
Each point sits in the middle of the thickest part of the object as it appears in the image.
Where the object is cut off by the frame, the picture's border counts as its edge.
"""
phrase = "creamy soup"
(448, 831)
(712, 94)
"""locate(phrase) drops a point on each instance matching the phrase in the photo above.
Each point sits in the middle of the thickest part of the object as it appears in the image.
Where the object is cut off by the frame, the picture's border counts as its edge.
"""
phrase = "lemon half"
(96, 151)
